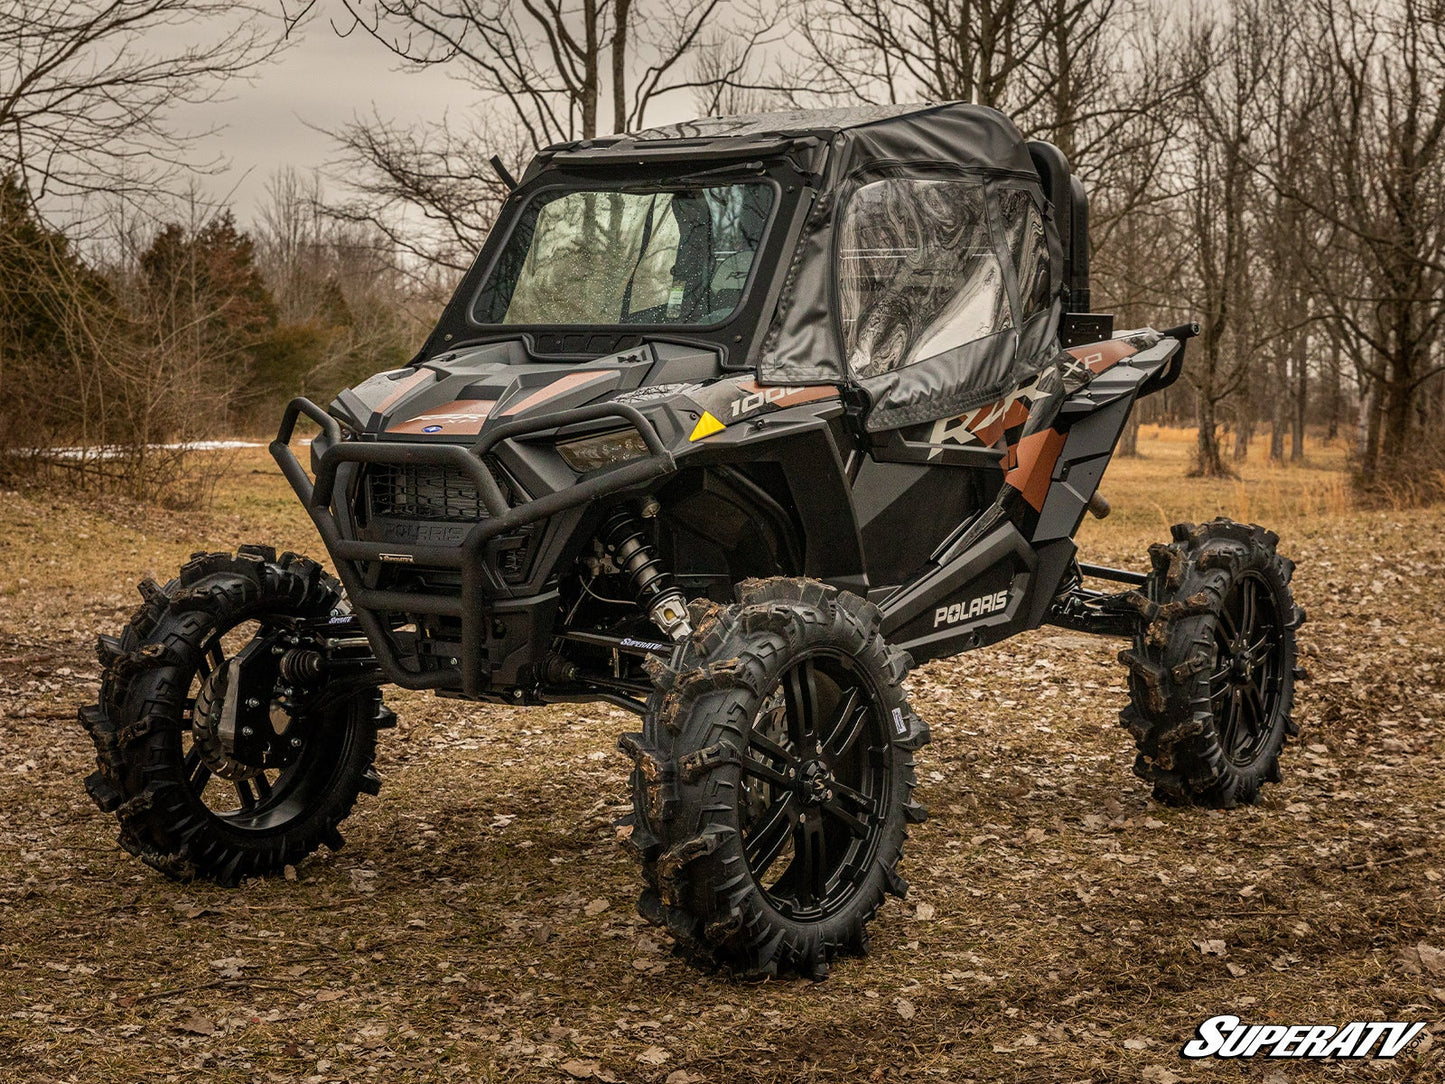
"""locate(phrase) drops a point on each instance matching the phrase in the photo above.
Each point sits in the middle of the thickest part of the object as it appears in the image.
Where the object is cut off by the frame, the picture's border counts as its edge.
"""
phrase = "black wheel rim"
(1245, 684)
(815, 786)
(286, 786)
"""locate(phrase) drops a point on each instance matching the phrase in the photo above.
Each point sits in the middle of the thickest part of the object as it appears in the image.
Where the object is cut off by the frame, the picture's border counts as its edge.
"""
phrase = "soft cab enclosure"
(927, 273)
(910, 253)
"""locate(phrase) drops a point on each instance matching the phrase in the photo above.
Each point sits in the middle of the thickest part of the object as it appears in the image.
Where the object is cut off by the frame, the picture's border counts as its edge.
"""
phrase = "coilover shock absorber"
(626, 543)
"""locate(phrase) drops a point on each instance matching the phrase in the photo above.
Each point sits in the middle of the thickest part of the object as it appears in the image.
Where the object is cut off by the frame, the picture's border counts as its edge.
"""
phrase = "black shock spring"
(626, 543)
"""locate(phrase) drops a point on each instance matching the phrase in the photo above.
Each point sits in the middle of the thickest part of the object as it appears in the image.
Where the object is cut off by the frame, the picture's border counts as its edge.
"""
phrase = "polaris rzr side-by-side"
(730, 424)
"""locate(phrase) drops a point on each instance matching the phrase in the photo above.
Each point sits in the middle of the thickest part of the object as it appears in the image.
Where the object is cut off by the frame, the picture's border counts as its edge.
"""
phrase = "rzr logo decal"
(986, 424)
(963, 611)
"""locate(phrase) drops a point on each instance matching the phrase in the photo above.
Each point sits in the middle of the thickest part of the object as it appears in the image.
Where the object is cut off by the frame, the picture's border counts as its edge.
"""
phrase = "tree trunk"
(619, 65)
(1335, 392)
(1395, 439)
(1243, 428)
(590, 90)
(1129, 442)
(1301, 397)
(1277, 422)
(1369, 444)
(1207, 461)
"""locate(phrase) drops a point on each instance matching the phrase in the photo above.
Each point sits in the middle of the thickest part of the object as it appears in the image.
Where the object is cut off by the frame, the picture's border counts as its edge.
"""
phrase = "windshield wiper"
(702, 174)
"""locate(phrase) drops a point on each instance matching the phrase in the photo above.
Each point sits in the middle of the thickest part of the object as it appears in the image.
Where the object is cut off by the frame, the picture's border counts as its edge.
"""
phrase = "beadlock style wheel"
(220, 782)
(1212, 670)
(774, 778)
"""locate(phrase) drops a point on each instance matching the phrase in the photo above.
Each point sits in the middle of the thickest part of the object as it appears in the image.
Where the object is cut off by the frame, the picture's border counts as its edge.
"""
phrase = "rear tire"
(1212, 671)
(774, 779)
(186, 806)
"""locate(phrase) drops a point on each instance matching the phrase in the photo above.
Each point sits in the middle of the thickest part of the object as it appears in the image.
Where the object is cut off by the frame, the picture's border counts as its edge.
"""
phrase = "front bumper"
(384, 612)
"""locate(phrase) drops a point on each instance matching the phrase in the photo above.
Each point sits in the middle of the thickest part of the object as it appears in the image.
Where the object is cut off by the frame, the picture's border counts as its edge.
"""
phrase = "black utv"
(731, 423)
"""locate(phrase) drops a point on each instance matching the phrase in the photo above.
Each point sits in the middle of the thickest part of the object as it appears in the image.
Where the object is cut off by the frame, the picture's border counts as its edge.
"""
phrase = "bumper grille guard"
(480, 584)
(414, 491)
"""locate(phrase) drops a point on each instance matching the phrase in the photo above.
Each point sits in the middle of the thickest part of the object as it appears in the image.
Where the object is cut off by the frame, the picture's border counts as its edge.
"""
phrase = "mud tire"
(694, 799)
(1210, 718)
(141, 723)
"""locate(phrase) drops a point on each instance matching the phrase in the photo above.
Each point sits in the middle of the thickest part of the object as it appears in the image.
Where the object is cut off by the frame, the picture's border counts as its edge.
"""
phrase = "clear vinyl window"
(918, 274)
(1023, 226)
(673, 256)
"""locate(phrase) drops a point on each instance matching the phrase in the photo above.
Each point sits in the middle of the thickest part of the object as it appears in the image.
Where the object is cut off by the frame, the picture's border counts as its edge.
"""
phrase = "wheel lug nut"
(247, 732)
(253, 703)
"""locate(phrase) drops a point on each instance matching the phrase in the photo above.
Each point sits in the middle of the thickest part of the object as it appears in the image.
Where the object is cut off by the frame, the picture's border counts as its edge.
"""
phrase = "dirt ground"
(478, 925)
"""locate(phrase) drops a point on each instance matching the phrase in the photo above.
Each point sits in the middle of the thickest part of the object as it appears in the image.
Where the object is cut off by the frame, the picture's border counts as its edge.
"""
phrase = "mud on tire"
(774, 779)
(151, 771)
(1212, 671)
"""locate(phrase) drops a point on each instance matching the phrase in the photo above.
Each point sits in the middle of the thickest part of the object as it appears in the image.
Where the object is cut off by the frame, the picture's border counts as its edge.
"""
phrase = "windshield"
(673, 256)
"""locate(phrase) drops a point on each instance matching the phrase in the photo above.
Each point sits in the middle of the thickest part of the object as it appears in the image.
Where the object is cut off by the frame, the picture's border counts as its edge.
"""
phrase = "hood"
(456, 396)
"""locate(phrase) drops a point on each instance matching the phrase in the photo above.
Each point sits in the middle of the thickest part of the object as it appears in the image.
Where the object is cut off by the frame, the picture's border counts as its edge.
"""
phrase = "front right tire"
(191, 800)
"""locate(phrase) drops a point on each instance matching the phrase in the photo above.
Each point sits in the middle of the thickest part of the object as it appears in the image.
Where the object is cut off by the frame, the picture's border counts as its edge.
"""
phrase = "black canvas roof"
(951, 133)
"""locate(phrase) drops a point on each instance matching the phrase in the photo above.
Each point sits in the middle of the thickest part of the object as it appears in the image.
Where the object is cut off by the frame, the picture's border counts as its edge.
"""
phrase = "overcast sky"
(320, 82)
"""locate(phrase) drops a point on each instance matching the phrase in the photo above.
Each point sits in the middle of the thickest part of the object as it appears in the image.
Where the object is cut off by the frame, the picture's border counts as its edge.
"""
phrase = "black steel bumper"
(375, 609)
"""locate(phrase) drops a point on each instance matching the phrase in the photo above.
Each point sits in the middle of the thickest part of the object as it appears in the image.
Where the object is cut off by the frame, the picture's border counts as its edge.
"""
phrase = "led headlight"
(604, 450)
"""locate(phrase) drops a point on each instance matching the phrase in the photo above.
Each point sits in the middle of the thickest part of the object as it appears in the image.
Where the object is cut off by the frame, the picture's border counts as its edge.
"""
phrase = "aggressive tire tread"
(137, 722)
(1170, 714)
(687, 763)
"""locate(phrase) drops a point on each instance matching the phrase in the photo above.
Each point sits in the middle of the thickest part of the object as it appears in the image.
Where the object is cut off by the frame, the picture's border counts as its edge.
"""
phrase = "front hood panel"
(457, 397)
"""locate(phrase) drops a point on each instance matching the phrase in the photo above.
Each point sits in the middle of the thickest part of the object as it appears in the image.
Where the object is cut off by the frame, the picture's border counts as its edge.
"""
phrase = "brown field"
(478, 926)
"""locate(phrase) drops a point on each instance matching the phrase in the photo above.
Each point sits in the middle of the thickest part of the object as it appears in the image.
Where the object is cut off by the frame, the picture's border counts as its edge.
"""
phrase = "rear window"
(918, 273)
(669, 256)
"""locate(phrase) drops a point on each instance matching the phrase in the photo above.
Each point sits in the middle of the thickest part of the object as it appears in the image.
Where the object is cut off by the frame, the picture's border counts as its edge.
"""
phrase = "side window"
(1024, 228)
(917, 273)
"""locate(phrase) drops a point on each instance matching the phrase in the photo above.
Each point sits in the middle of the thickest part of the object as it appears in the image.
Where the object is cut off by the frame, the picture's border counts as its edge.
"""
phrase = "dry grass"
(478, 925)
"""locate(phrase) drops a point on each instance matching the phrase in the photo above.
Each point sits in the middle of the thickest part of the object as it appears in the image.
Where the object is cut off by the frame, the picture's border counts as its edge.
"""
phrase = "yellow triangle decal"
(706, 426)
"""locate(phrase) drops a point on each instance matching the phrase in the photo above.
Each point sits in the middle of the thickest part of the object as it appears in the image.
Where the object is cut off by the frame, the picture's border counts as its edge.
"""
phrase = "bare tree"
(902, 50)
(545, 71)
(86, 85)
(431, 190)
(554, 63)
(1217, 149)
(1377, 194)
(346, 309)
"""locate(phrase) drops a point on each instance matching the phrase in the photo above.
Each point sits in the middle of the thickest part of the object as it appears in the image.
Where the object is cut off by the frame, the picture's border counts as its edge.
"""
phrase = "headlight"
(592, 453)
